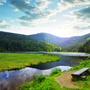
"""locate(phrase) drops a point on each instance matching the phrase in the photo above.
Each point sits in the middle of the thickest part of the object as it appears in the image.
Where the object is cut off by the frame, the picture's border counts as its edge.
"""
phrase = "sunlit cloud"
(5, 25)
(42, 4)
(81, 28)
(33, 14)
(34, 18)
(65, 4)
(81, 15)
(2, 2)
(12, 21)
(16, 10)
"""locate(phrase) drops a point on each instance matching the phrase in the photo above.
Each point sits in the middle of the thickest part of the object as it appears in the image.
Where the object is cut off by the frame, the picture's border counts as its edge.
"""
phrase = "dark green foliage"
(75, 79)
(85, 47)
(83, 64)
(40, 78)
(56, 71)
(25, 86)
(17, 42)
(74, 47)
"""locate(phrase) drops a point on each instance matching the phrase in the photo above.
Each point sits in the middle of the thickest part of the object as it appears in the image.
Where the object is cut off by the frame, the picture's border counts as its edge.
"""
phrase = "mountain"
(18, 42)
(40, 42)
(48, 38)
(82, 40)
(70, 41)
(63, 42)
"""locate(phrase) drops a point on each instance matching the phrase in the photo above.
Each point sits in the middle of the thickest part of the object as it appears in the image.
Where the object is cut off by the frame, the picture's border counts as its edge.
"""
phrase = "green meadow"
(9, 61)
(48, 83)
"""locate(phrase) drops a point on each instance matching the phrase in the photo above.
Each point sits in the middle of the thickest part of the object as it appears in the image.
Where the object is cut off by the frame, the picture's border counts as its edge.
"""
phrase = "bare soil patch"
(65, 80)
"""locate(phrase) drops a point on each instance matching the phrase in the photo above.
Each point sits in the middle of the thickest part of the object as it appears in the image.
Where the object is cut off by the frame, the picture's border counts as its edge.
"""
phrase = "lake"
(11, 80)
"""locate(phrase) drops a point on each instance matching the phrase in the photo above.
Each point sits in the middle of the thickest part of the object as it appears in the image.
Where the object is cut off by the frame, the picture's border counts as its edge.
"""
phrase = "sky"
(62, 18)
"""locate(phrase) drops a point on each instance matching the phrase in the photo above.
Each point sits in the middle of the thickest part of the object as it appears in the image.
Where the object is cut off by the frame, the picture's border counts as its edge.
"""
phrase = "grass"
(9, 61)
(55, 72)
(85, 84)
(48, 83)
(43, 83)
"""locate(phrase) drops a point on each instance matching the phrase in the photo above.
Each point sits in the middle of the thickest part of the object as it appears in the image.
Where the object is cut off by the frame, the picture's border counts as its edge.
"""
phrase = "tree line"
(18, 42)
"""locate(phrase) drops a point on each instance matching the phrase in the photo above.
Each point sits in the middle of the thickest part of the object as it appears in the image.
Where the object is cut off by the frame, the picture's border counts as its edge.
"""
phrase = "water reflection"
(67, 53)
(64, 61)
(11, 80)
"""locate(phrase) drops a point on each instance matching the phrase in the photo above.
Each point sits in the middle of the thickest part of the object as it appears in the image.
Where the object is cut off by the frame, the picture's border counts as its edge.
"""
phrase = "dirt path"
(65, 80)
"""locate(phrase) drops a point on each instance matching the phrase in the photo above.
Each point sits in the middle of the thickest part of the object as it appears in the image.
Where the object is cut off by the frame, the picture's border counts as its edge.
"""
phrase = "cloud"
(12, 21)
(25, 5)
(42, 4)
(16, 10)
(27, 24)
(21, 5)
(34, 18)
(2, 1)
(4, 25)
(33, 14)
(27, 1)
(65, 4)
(81, 28)
(81, 15)
(52, 20)
(2, 22)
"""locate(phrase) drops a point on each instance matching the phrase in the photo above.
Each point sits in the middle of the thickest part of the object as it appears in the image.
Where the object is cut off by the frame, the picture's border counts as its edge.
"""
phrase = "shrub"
(40, 78)
(56, 71)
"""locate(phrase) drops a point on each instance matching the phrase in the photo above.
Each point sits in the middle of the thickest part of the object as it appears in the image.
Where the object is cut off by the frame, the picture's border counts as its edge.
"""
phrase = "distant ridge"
(63, 42)
(48, 38)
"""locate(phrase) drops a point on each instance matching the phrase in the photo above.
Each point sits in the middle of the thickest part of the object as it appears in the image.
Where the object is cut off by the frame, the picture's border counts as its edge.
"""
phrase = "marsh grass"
(9, 61)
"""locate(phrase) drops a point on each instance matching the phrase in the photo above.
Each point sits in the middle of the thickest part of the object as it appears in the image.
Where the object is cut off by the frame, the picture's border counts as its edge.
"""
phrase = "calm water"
(11, 80)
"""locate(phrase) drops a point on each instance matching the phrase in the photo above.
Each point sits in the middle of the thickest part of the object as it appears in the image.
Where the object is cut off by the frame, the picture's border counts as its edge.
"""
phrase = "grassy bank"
(48, 83)
(9, 61)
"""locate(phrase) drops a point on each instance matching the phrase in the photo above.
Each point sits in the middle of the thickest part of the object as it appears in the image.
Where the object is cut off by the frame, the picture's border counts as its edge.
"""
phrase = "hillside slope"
(48, 38)
(85, 47)
(70, 41)
(18, 42)
(83, 39)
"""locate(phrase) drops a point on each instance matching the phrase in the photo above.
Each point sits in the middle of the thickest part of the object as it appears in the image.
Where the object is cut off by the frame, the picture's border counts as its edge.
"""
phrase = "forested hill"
(85, 47)
(48, 38)
(70, 41)
(18, 42)
(83, 39)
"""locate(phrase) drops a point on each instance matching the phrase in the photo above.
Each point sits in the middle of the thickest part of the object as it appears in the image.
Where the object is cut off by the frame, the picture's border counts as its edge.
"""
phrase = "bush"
(56, 71)
(75, 79)
(40, 78)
